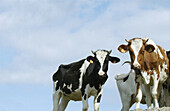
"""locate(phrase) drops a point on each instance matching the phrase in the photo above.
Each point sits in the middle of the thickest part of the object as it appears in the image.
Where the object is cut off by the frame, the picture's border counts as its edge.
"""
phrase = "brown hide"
(150, 62)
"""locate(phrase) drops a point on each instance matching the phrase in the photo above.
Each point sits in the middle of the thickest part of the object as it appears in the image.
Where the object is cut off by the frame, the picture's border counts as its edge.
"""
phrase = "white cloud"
(48, 33)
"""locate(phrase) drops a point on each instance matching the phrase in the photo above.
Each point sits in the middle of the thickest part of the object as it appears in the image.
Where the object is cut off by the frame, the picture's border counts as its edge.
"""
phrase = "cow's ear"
(90, 59)
(114, 59)
(123, 48)
(149, 48)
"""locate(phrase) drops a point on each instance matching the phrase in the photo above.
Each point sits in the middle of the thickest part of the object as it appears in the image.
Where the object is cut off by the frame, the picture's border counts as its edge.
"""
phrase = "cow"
(151, 66)
(127, 89)
(166, 87)
(80, 80)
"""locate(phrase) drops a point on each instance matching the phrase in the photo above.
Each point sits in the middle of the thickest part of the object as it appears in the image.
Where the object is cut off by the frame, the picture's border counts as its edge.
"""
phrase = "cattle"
(127, 89)
(166, 86)
(80, 80)
(151, 66)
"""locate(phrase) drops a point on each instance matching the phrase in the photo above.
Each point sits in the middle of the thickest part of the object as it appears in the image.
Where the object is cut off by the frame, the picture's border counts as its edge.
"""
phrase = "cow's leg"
(161, 99)
(63, 103)
(168, 99)
(160, 95)
(138, 94)
(97, 100)
(85, 93)
(85, 102)
(148, 96)
(155, 90)
(56, 99)
(126, 102)
(166, 95)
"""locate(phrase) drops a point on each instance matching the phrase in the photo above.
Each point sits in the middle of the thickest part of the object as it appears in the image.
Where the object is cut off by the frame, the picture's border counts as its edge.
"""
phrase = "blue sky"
(37, 36)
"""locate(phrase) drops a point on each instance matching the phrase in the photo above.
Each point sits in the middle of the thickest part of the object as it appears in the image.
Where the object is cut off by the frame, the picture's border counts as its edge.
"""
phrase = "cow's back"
(67, 77)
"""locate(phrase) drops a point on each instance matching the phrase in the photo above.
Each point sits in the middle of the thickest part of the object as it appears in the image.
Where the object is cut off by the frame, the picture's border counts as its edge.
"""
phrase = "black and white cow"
(80, 80)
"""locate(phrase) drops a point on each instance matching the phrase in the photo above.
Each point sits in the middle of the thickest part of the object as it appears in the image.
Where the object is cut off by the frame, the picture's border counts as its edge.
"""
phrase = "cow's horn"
(93, 52)
(126, 62)
(110, 51)
(126, 40)
(146, 40)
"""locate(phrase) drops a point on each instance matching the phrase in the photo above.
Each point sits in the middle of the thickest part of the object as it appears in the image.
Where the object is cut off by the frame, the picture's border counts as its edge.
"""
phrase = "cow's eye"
(142, 52)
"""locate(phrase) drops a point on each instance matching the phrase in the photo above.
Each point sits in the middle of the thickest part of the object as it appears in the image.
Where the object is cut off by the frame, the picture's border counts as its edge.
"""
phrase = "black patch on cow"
(124, 80)
(105, 65)
(168, 55)
(82, 91)
(138, 72)
(165, 86)
(85, 97)
(98, 98)
(94, 80)
(68, 74)
(98, 91)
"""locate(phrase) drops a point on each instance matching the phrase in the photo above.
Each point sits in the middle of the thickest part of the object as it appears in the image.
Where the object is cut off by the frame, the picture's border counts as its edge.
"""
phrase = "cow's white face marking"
(101, 56)
(136, 45)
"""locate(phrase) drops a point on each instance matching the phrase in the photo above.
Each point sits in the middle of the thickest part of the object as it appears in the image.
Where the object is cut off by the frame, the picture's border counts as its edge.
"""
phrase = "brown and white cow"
(151, 66)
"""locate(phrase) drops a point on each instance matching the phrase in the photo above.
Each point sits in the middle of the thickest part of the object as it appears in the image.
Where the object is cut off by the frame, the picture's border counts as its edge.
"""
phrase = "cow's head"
(138, 50)
(99, 62)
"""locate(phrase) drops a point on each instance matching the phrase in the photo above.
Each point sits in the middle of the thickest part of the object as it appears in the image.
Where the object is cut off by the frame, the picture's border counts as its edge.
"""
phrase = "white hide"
(101, 55)
(126, 89)
(146, 77)
(83, 71)
(136, 46)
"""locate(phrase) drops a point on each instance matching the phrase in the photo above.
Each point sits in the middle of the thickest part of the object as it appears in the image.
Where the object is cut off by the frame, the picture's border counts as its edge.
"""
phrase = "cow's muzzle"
(137, 66)
(101, 73)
